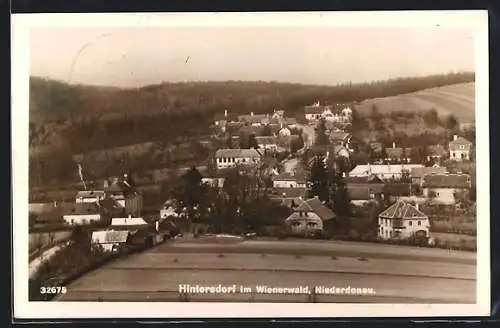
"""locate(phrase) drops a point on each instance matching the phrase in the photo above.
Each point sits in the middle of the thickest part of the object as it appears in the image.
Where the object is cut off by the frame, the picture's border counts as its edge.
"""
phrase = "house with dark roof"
(444, 188)
(309, 218)
(418, 173)
(82, 214)
(226, 158)
(361, 193)
(398, 154)
(460, 149)
(290, 197)
(267, 142)
(402, 220)
(290, 180)
(123, 190)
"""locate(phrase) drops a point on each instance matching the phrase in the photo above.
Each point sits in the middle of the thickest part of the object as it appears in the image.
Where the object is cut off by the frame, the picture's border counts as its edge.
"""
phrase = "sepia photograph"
(280, 163)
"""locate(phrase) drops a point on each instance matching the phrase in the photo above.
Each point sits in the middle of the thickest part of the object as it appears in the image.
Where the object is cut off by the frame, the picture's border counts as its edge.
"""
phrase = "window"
(411, 223)
(311, 224)
(419, 223)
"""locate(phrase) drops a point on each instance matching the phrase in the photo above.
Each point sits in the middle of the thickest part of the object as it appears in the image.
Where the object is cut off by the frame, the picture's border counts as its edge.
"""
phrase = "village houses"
(401, 221)
(226, 158)
(333, 113)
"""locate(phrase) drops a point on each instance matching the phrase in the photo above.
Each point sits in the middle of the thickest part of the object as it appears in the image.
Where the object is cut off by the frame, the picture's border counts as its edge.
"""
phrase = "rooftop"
(402, 210)
(398, 152)
(361, 170)
(420, 172)
(447, 181)
(237, 153)
(316, 206)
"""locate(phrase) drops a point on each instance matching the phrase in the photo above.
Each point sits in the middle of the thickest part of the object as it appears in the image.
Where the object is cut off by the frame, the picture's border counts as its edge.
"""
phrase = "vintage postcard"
(314, 164)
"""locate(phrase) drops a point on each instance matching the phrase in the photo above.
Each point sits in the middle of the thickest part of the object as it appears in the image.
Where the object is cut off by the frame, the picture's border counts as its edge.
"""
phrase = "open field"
(455, 99)
(397, 274)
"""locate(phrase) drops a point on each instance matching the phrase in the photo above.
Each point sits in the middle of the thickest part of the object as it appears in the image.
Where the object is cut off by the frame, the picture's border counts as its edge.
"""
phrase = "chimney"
(130, 216)
(393, 145)
(316, 197)
(251, 113)
(55, 203)
(225, 113)
(416, 206)
(157, 226)
(282, 125)
(455, 137)
(106, 184)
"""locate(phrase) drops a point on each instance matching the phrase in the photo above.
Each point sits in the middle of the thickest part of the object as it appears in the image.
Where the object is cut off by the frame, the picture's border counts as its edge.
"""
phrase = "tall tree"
(321, 136)
(318, 179)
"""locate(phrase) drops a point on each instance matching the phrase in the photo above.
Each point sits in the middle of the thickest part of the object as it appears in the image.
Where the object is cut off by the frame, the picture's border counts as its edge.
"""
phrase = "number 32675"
(53, 290)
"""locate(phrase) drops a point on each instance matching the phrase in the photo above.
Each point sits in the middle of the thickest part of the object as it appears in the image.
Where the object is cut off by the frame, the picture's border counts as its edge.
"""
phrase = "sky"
(138, 56)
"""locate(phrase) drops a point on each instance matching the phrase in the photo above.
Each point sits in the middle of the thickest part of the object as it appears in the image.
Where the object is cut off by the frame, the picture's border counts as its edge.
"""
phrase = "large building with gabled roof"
(402, 220)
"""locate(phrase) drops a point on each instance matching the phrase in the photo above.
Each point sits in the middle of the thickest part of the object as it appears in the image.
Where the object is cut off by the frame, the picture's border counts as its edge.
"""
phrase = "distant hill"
(54, 100)
(456, 99)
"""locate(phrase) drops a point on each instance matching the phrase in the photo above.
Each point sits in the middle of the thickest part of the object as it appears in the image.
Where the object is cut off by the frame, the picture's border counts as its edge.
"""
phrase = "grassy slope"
(457, 99)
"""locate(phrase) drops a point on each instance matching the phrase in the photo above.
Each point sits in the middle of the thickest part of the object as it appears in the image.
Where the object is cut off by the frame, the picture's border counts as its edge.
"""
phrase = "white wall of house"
(226, 162)
(460, 154)
(408, 229)
(286, 184)
(81, 219)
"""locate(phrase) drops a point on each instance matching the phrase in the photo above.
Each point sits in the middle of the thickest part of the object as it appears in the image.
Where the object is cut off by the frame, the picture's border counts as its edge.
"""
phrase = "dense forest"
(73, 119)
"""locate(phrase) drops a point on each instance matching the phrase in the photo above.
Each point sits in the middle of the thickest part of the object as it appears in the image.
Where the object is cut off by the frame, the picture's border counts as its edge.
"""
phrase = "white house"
(82, 214)
(110, 240)
(460, 149)
(444, 188)
(226, 158)
(401, 221)
(385, 172)
(89, 196)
